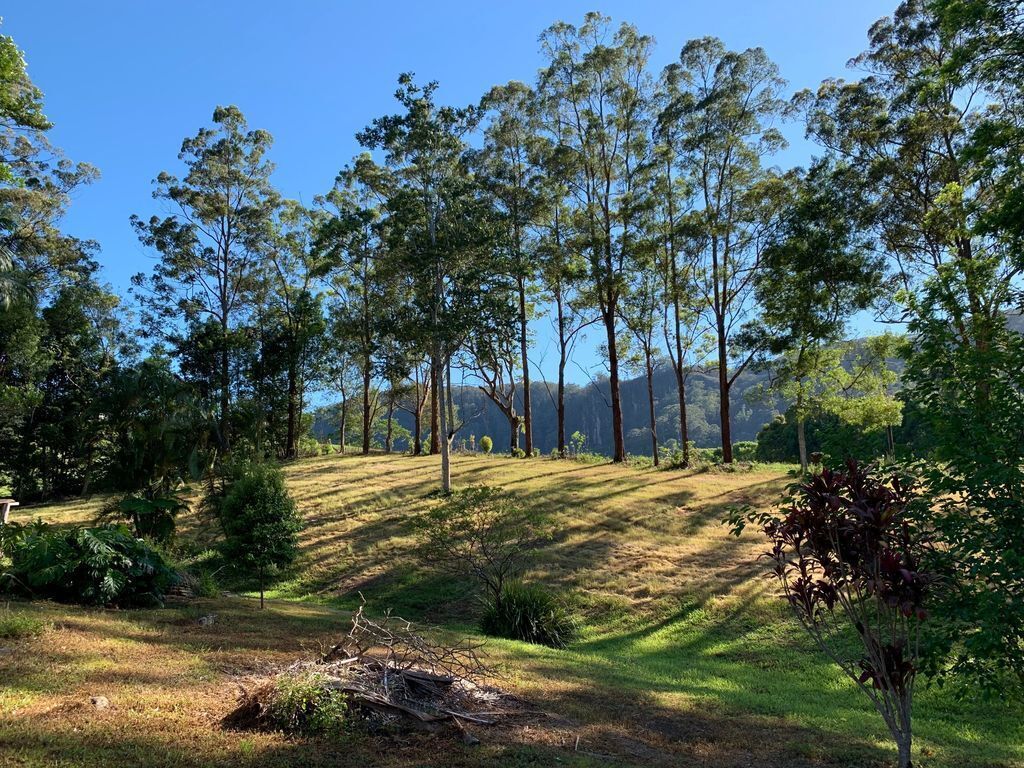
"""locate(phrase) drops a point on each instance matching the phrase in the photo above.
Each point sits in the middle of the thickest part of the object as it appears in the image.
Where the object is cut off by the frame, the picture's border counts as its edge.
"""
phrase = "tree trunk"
(524, 350)
(417, 439)
(801, 442)
(344, 421)
(684, 435)
(562, 354)
(292, 438)
(446, 468)
(261, 588)
(225, 389)
(618, 435)
(388, 433)
(903, 747)
(723, 393)
(435, 422)
(650, 404)
(366, 410)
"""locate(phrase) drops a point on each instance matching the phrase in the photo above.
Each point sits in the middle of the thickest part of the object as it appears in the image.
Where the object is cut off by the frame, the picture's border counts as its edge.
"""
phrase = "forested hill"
(588, 411)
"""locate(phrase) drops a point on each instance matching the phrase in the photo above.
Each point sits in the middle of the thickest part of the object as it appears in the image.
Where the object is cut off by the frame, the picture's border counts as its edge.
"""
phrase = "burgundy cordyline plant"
(846, 555)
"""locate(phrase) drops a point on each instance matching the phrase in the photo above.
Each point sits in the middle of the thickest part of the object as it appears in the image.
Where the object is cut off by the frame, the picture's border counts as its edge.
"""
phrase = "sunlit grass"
(686, 656)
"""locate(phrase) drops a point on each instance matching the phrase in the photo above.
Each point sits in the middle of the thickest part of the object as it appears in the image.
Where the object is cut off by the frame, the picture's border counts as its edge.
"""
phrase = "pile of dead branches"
(395, 676)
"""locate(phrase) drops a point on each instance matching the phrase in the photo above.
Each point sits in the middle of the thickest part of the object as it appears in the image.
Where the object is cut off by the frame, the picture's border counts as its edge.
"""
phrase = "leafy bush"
(308, 446)
(529, 613)
(536, 453)
(518, 453)
(260, 522)
(745, 450)
(847, 557)
(15, 625)
(94, 566)
(482, 532)
(206, 585)
(577, 441)
(302, 705)
(486, 444)
(152, 517)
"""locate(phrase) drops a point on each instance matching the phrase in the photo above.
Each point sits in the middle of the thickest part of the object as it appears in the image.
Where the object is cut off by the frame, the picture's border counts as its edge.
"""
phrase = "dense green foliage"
(531, 613)
(303, 706)
(259, 521)
(94, 566)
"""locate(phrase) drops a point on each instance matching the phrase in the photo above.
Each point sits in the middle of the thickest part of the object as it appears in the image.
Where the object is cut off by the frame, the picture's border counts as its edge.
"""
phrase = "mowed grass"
(687, 657)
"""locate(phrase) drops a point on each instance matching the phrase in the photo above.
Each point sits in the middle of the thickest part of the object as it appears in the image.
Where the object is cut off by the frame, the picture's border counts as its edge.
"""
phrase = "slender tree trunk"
(389, 431)
(562, 354)
(291, 438)
(723, 393)
(344, 421)
(225, 388)
(524, 350)
(677, 364)
(801, 442)
(417, 441)
(435, 423)
(618, 435)
(366, 409)
(650, 404)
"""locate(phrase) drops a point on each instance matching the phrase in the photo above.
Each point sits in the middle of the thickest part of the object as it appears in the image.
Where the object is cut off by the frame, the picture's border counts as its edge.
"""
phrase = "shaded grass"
(686, 658)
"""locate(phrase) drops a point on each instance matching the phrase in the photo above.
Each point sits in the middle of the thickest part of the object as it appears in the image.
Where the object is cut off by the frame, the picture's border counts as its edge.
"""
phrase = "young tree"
(727, 103)
(212, 245)
(260, 523)
(494, 362)
(597, 84)
(818, 270)
(849, 560)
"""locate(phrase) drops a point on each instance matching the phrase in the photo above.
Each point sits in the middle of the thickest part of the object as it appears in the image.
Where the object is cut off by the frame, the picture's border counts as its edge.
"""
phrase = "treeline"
(641, 205)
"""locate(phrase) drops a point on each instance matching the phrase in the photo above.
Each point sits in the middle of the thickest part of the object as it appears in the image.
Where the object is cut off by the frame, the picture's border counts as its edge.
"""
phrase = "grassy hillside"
(687, 659)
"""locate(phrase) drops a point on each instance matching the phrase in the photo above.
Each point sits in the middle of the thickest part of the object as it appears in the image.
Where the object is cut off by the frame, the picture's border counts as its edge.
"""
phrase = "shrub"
(847, 557)
(260, 522)
(536, 453)
(301, 704)
(308, 446)
(482, 532)
(745, 450)
(486, 444)
(15, 625)
(152, 517)
(206, 585)
(94, 566)
(577, 441)
(529, 613)
(673, 456)
(518, 453)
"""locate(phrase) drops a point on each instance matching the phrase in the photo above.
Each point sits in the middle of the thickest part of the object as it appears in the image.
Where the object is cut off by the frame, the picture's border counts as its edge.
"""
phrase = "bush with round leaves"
(486, 444)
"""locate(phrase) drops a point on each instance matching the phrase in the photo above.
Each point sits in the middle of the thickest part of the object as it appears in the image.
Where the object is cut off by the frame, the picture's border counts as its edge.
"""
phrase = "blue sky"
(126, 81)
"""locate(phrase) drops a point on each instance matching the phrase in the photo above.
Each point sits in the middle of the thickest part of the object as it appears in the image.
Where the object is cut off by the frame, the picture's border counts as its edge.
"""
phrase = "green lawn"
(686, 659)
